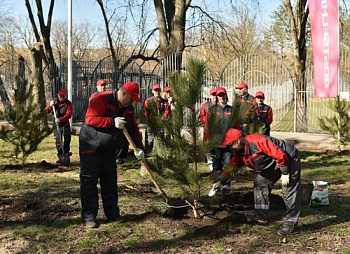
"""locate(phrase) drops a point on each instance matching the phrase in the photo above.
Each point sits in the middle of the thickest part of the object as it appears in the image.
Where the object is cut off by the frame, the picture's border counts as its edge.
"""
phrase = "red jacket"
(64, 110)
(98, 132)
(204, 110)
(264, 152)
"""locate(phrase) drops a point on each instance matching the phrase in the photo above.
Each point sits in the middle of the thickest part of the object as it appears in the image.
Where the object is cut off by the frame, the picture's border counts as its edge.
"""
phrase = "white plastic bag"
(319, 194)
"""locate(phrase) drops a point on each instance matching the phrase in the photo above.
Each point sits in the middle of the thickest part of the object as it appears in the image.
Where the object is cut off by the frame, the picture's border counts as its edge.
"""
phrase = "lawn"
(40, 211)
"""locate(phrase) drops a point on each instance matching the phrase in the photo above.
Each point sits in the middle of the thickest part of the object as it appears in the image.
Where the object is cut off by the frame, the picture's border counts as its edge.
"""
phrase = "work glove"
(140, 154)
(285, 180)
(52, 103)
(119, 122)
(57, 120)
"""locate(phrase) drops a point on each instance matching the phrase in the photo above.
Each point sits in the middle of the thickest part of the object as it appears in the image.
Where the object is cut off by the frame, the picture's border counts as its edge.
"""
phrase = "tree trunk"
(37, 79)
(297, 21)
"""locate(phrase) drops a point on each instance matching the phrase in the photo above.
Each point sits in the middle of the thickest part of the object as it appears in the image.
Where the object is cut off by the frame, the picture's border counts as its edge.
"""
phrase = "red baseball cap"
(221, 90)
(167, 88)
(231, 136)
(62, 93)
(242, 85)
(101, 82)
(260, 93)
(155, 86)
(213, 91)
(133, 89)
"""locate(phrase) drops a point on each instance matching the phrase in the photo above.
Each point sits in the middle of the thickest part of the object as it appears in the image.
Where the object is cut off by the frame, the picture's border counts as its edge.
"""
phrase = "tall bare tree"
(298, 17)
(42, 34)
(83, 35)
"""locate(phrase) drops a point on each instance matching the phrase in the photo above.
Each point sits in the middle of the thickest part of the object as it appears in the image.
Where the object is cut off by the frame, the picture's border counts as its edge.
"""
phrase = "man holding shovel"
(62, 110)
(100, 136)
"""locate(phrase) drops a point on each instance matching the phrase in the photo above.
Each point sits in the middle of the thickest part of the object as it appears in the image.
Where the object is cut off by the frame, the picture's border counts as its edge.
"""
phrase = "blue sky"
(89, 10)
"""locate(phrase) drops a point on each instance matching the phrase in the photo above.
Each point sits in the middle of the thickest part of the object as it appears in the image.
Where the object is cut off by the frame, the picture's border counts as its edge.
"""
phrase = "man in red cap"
(64, 111)
(262, 114)
(100, 86)
(272, 159)
(155, 105)
(100, 136)
(246, 102)
(219, 155)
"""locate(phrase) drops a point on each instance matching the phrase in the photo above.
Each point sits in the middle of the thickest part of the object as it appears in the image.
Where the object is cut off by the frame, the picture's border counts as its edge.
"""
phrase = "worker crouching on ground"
(273, 159)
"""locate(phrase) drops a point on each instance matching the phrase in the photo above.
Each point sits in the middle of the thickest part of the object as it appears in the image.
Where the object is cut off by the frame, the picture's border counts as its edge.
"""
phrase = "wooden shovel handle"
(134, 147)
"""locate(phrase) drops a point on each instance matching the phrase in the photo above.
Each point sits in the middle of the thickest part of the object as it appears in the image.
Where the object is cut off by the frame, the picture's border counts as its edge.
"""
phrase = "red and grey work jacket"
(263, 152)
(262, 113)
(98, 132)
(204, 110)
(226, 119)
(162, 105)
(245, 110)
(64, 110)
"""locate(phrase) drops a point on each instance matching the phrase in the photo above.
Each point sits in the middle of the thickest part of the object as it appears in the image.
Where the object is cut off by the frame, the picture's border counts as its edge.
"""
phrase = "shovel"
(65, 160)
(177, 207)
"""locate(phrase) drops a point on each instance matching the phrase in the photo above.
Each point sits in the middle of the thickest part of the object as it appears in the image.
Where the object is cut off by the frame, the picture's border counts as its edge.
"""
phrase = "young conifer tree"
(339, 124)
(181, 148)
(27, 126)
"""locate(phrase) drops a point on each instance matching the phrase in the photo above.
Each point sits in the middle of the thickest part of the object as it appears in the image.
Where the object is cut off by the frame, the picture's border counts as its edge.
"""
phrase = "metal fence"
(266, 73)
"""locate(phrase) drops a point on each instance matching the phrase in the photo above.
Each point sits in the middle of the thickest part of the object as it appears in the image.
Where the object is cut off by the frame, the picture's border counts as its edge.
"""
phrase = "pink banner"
(325, 46)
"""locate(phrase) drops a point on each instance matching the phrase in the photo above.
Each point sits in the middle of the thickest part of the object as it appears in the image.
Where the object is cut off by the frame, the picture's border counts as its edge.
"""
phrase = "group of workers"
(272, 159)
(111, 112)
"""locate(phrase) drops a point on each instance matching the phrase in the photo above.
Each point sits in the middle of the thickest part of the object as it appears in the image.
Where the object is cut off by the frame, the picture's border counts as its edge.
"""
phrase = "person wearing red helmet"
(163, 110)
(219, 155)
(100, 136)
(272, 159)
(64, 111)
(262, 114)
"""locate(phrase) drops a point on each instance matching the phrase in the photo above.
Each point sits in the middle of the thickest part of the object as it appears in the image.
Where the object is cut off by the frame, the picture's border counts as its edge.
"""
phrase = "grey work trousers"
(263, 184)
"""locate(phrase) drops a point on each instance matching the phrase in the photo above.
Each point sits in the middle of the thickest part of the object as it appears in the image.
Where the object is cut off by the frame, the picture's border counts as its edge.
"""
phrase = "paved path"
(304, 137)
(295, 138)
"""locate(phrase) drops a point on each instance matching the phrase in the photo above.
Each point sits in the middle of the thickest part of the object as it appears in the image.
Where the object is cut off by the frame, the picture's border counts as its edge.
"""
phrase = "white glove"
(119, 122)
(170, 100)
(285, 180)
(57, 120)
(52, 103)
(140, 154)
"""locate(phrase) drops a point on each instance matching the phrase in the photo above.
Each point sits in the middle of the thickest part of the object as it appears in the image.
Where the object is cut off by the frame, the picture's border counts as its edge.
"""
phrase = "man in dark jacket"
(246, 101)
(272, 159)
(100, 136)
(262, 114)
(64, 111)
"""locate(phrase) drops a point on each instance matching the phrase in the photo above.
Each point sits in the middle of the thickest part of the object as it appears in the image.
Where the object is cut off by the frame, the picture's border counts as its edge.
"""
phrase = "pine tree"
(27, 126)
(339, 124)
(180, 147)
